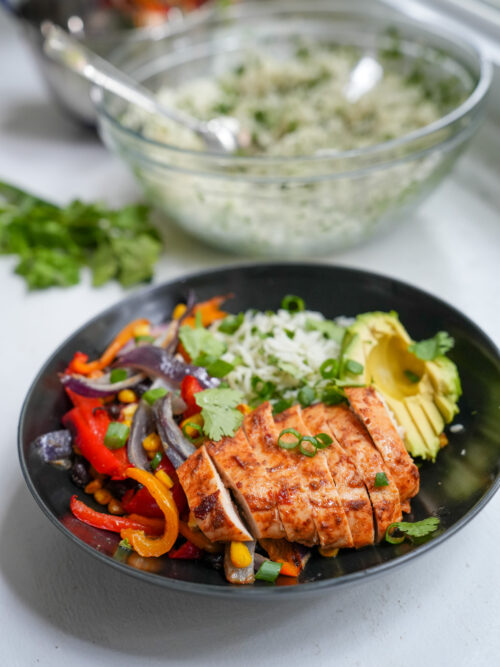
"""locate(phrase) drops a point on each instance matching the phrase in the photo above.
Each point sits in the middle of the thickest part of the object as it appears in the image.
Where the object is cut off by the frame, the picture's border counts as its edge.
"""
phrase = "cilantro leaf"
(413, 531)
(429, 349)
(218, 409)
(329, 329)
(231, 323)
(200, 341)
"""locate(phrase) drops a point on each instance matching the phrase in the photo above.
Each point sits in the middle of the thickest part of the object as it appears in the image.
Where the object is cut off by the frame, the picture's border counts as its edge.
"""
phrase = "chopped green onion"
(329, 369)
(289, 333)
(289, 444)
(153, 395)
(144, 339)
(123, 551)
(308, 451)
(323, 440)
(281, 405)
(156, 460)
(294, 304)
(390, 538)
(269, 571)
(353, 367)
(264, 390)
(198, 320)
(116, 435)
(193, 425)
(231, 323)
(117, 375)
(332, 395)
(381, 479)
(306, 396)
(412, 377)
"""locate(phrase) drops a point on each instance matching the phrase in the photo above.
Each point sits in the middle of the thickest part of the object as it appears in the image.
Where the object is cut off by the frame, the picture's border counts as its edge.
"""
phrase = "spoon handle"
(68, 51)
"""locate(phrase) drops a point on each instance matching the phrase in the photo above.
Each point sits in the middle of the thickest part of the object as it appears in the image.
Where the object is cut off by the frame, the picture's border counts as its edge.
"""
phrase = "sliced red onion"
(101, 387)
(55, 445)
(155, 361)
(142, 425)
(177, 447)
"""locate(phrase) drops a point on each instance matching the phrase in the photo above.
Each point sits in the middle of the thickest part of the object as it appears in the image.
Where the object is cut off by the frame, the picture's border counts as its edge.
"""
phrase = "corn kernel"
(151, 442)
(142, 330)
(129, 411)
(165, 479)
(240, 555)
(244, 408)
(103, 496)
(115, 507)
(179, 311)
(327, 552)
(93, 486)
(127, 396)
(150, 455)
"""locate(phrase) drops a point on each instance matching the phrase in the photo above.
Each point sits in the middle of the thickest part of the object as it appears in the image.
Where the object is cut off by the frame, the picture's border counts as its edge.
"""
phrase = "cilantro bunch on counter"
(54, 243)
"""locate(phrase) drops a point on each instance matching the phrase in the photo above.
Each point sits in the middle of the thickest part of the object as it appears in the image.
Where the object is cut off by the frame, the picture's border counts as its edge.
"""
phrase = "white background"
(59, 606)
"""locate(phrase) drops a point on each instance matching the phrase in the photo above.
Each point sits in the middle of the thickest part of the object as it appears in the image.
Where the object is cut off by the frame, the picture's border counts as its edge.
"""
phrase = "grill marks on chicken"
(283, 469)
(328, 513)
(349, 484)
(370, 409)
(329, 499)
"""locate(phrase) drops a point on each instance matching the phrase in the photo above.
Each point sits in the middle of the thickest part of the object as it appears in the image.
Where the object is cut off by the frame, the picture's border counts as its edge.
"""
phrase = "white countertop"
(59, 606)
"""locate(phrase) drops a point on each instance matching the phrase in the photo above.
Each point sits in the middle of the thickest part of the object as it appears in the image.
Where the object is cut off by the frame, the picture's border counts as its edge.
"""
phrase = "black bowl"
(455, 488)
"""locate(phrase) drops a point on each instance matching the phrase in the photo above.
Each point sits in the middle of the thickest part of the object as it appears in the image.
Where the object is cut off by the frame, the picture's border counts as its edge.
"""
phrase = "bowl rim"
(238, 592)
(473, 100)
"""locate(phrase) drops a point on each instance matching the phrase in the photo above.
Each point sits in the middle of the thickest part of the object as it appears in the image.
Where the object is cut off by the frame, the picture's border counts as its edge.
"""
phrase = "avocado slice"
(422, 394)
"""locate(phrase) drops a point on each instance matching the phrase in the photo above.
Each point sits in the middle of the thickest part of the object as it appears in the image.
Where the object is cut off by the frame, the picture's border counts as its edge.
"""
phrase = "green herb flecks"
(381, 480)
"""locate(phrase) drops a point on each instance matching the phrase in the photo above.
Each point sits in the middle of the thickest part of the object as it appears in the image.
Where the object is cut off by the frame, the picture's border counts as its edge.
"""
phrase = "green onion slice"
(306, 396)
(287, 443)
(329, 369)
(390, 538)
(354, 367)
(381, 479)
(269, 571)
(118, 375)
(197, 427)
(116, 435)
(144, 339)
(323, 440)
(307, 451)
(294, 304)
(123, 550)
(153, 395)
(156, 460)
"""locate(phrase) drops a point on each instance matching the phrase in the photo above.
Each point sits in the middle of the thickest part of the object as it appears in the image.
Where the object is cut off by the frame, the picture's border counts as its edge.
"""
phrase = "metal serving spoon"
(222, 135)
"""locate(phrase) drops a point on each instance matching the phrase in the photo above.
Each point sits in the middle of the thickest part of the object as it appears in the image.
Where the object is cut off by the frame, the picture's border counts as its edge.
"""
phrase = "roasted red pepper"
(187, 551)
(114, 523)
(141, 502)
(189, 387)
(89, 424)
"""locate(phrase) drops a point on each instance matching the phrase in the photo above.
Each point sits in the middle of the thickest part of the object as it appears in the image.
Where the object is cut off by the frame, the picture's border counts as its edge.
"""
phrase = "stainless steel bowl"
(102, 29)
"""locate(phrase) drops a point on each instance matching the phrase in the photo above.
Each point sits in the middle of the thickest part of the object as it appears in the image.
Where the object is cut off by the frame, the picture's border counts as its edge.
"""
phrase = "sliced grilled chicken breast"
(252, 489)
(355, 440)
(371, 410)
(209, 500)
(328, 512)
(350, 487)
(284, 473)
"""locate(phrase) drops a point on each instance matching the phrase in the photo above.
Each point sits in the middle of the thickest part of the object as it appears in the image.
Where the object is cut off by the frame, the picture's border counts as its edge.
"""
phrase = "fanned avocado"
(422, 395)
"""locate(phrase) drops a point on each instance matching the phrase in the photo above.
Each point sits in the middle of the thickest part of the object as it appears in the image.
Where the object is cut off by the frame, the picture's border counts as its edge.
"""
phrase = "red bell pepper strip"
(114, 523)
(90, 426)
(188, 551)
(189, 387)
(141, 502)
(177, 490)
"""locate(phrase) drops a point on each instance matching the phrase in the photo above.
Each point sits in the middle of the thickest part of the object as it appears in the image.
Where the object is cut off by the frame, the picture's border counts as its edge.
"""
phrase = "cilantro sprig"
(218, 409)
(429, 349)
(415, 532)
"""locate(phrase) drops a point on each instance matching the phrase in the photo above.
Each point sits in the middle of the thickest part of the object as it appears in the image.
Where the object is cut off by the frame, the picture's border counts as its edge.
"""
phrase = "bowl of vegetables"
(353, 114)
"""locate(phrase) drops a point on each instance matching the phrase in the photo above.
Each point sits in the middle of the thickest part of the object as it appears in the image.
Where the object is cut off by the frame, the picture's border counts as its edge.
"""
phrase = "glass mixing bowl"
(313, 204)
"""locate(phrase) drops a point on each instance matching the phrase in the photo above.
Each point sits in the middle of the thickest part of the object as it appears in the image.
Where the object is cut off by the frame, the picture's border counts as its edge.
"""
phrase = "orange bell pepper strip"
(198, 539)
(80, 365)
(210, 311)
(146, 546)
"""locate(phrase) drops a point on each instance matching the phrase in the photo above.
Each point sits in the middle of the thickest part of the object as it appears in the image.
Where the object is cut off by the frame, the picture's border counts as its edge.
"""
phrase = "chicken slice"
(371, 410)
(284, 473)
(350, 487)
(328, 512)
(209, 500)
(245, 476)
(355, 440)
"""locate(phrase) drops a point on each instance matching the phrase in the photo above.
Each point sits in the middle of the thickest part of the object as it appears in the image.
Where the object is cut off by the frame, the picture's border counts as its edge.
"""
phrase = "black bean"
(80, 474)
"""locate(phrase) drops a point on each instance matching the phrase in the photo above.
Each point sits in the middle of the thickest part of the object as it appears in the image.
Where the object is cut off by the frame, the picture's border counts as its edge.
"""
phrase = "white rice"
(267, 351)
